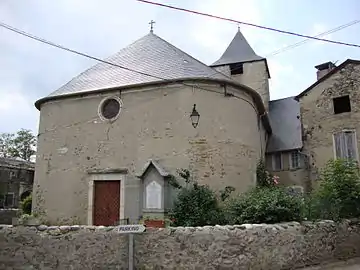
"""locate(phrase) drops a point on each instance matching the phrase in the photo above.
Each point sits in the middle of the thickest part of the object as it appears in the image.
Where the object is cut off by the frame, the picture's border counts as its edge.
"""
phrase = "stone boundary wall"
(271, 247)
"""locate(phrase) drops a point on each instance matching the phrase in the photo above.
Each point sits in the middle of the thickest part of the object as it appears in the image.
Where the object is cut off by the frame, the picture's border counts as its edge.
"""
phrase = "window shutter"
(337, 139)
(350, 145)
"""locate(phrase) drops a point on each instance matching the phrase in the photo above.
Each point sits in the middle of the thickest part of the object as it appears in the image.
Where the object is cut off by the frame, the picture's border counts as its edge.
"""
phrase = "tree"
(6, 144)
(22, 144)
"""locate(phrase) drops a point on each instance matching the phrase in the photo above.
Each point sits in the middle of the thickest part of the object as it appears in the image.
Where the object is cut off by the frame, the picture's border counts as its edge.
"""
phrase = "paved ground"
(353, 264)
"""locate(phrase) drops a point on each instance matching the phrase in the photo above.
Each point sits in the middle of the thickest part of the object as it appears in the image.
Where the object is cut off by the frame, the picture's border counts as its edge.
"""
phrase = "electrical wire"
(42, 40)
(292, 46)
(23, 33)
(250, 24)
(341, 27)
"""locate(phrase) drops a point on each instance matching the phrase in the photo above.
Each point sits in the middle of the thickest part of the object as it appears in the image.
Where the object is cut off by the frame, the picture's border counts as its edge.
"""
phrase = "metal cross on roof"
(152, 25)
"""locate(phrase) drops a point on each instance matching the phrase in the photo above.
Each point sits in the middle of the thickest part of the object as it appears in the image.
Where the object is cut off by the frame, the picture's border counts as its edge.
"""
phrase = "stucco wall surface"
(154, 124)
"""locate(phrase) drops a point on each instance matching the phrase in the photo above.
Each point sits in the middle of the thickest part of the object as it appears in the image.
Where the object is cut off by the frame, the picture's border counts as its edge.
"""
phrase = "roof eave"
(214, 65)
(342, 65)
(256, 96)
(283, 149)
(160, 169)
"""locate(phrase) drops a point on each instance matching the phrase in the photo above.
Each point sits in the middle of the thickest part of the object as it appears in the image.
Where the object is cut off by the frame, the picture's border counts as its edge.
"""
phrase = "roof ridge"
(329, 74)
(188, 55)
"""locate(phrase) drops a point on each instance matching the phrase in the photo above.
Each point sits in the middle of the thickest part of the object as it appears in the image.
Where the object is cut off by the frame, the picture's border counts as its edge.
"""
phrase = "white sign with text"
(136, 228)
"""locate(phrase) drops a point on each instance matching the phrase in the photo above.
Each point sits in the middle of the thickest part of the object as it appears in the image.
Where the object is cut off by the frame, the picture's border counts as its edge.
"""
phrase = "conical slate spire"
(238, 51)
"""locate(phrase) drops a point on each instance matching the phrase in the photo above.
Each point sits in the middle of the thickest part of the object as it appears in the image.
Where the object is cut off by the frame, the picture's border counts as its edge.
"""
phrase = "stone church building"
(110, 139)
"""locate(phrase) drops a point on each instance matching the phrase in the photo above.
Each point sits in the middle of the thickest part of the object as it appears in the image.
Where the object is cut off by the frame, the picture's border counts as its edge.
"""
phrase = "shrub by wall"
(338, 193)
(264, 205)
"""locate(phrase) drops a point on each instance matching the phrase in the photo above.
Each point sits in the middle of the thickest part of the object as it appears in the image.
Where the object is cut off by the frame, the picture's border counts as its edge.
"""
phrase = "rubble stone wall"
(271, 247)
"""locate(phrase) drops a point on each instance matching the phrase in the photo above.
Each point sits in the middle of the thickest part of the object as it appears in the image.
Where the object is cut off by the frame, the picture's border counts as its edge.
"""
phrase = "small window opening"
(277, 162)
(295, 160)
(237, 68)
(341, 104)
(9, 200)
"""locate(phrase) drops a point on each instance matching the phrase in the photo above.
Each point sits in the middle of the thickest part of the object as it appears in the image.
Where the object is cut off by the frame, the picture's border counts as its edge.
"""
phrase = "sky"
(30, 70)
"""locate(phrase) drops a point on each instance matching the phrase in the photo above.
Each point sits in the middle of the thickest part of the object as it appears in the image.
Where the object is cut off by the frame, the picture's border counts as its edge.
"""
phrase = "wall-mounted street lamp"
(194, 116)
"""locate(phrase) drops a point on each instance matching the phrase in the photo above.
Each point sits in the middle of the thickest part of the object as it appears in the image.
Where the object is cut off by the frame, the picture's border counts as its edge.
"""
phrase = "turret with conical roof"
(244, 66)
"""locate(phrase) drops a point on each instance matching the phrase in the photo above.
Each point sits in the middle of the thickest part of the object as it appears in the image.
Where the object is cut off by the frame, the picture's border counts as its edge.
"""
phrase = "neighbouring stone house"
(110, 139)
(329, 110)
(16, 181)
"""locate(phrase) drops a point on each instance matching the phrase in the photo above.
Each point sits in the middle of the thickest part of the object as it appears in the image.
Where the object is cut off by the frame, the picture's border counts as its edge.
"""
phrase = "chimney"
(324, 69)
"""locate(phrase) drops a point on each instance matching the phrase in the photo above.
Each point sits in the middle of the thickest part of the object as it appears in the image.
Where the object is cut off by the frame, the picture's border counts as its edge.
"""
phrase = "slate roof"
(151, 55)
(16, 164)
(161, 170)
(286, 125)
(238, 51)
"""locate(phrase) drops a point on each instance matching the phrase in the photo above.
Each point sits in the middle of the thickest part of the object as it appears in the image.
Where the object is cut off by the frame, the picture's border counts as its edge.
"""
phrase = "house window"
(12, 174)
(341, 104)
(277, 162)
(237, 68)
(9, 200)
(295, 160)
(345, 145)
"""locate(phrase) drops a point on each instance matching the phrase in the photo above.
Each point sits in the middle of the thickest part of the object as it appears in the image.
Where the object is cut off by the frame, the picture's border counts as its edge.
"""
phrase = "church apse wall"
(153, 123)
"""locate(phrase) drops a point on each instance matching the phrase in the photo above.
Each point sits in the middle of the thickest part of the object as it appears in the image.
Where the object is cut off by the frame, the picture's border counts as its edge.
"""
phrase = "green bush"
(26, 205)
(263, 177)
(264, 205)
(338, 194)
(196, 205)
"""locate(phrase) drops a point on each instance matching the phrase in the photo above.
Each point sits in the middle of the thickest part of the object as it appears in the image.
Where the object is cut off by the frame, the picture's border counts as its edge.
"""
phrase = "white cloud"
(281, 76)
(30, 70)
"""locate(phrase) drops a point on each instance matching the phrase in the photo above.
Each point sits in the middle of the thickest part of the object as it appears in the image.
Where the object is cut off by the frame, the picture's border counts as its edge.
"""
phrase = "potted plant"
(153, 222)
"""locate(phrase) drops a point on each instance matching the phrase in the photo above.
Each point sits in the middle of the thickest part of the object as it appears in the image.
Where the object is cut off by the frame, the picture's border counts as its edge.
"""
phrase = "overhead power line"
(292, 46)
(297, 44)
(23, 33)
(250, 24)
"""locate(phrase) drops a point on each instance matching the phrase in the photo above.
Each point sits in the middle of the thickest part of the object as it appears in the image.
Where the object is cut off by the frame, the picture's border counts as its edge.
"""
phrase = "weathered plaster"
(153, 124)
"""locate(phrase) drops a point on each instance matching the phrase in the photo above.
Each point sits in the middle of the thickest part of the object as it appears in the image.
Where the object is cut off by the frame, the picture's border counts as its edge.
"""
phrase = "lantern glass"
(195, 117)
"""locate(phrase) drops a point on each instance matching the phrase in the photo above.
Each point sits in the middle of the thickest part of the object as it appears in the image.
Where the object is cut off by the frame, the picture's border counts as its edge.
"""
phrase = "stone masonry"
(319, 120)
(272, 247)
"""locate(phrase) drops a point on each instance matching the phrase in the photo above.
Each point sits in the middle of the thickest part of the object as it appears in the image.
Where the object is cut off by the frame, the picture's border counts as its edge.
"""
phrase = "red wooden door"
(106, 203)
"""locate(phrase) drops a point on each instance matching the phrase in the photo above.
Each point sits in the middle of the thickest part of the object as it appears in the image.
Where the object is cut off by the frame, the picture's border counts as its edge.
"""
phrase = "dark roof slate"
(150, 55)
(286, 125)
(238, 51)
(16, 164)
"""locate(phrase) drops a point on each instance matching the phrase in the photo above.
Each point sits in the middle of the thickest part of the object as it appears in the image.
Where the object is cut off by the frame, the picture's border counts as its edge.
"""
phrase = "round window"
(110, 108)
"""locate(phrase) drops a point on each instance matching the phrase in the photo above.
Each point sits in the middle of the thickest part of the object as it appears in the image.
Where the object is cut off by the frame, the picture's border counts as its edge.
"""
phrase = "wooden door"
(106, 203)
